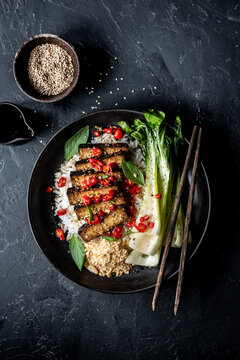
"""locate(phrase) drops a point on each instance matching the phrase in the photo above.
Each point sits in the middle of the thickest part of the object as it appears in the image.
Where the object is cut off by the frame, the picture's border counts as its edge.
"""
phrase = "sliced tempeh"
(85, 165)
(86, 150)
(78, 177)
(75, 195)
(82, 210)
(116, 217)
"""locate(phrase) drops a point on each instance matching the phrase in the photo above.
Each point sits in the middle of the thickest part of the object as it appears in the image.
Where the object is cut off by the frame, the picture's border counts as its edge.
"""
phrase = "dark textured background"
(185, 54)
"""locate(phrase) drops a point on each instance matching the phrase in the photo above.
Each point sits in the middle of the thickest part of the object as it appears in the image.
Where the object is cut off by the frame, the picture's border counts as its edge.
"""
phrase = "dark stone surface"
(180, 56)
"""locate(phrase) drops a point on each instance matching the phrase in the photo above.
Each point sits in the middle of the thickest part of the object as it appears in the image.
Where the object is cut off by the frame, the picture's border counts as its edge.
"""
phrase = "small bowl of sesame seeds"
(46, 68)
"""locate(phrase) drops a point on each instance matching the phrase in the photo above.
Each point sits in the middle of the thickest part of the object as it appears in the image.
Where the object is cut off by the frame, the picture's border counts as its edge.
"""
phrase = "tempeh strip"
(82, 210)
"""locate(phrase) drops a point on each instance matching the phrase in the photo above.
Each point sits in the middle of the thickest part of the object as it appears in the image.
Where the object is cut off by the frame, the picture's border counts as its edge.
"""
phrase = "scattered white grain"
(110, 92)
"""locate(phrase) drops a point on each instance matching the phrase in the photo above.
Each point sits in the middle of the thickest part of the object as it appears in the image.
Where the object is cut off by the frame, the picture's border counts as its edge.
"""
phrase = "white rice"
(69, 222)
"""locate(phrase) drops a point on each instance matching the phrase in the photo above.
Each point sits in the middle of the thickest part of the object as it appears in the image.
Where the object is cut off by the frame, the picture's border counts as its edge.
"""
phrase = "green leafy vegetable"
(77, 251)
(109, 238)
(128, 232)
(144, 255)
(160, 147)
(71, 146)
(91, 215)
(132, 172)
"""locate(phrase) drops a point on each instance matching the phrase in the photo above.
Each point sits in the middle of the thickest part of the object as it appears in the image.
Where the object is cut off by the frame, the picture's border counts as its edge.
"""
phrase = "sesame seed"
(100, 80)
(144, 89)
(110, 92)
(133, 91)
(121, 78)
(155, 87)
(118, 89)
(99, 96)
(86, 88)
(124, 97)
(83, 112)
(116, 104)
(116, 79)
(115, 58)
(106, 74)
(111, 67)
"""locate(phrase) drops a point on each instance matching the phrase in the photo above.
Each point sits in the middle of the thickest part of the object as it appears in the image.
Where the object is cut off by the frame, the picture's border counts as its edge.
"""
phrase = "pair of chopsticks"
(174, 219)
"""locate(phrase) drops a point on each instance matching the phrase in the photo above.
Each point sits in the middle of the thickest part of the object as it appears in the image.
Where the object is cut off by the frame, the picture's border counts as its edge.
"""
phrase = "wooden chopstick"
(173, 219)
(187, 223)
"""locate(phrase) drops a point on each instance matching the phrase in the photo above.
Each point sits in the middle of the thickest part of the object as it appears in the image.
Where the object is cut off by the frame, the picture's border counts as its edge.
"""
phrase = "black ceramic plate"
(43, 223)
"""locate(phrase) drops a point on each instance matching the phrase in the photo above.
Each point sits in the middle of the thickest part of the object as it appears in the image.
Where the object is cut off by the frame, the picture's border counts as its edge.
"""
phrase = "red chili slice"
(111, 207)
(118, 232)
(118, 134)
(97, 152)
(142, 227)
(97, 133)
(62, 182)
(49, 189)
(132, 210)
(107, 169)
(95, 221)
(130, 224)
(96, 164)
(62, 212)
(86, 200)
(101, 213)
(97, 198)
(142, 219)
(111, 178)
(150, 224)
(84, 184)
(91, 181)
(134, 190)
(158, 196)
(60, 234)
(107, 234)
(109, 196)
(108, 130)
(105, 182)
(146, 217)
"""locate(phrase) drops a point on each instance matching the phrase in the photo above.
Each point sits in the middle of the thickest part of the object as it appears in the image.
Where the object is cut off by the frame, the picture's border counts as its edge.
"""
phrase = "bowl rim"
(44, 250)
(68, 90)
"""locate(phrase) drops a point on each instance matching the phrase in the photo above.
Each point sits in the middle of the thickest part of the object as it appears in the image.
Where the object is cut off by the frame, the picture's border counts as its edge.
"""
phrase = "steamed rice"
(70, 223)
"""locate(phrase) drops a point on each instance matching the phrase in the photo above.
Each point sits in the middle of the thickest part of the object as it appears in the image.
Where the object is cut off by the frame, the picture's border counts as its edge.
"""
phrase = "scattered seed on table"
(118, 89)
(110, 92)
(132, 91)
(121, 78)
(124, 97)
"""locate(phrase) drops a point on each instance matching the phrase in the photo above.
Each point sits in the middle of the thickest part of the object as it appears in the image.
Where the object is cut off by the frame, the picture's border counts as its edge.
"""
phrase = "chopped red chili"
(60, 234)
(158, 196)
(142, 219)
(97, 198)
(96, 164)
(97, 133)
(109, 196)
(146, 217)
(118, 232)
(142, 227)
(62, 212)
(91, 181)
(108, 130)
(101, 213)
(150, 224)
(118, 134)
(95, 221)
(84, 184)
(49, 189)
(86, 200)
(104, 182)
(97, 152)
(111, 207)
(62, 182)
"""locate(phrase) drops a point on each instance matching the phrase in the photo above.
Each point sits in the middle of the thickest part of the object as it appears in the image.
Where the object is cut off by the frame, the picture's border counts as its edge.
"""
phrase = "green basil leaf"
(104, 176)
(132, 172)
(77, 251)
(91, 215)
(128, 232)
(71, 146)
(144, 255)
(109, 238)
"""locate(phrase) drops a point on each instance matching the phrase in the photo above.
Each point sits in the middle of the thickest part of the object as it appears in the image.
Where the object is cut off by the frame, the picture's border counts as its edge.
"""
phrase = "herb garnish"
(109, 238)
(128, 232)
(71, 146)
(144, 255)
(77, 251)
(132, 172)
(91, 215)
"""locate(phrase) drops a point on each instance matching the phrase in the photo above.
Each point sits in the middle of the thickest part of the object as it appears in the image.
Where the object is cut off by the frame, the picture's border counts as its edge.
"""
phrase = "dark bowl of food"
(46, 68)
